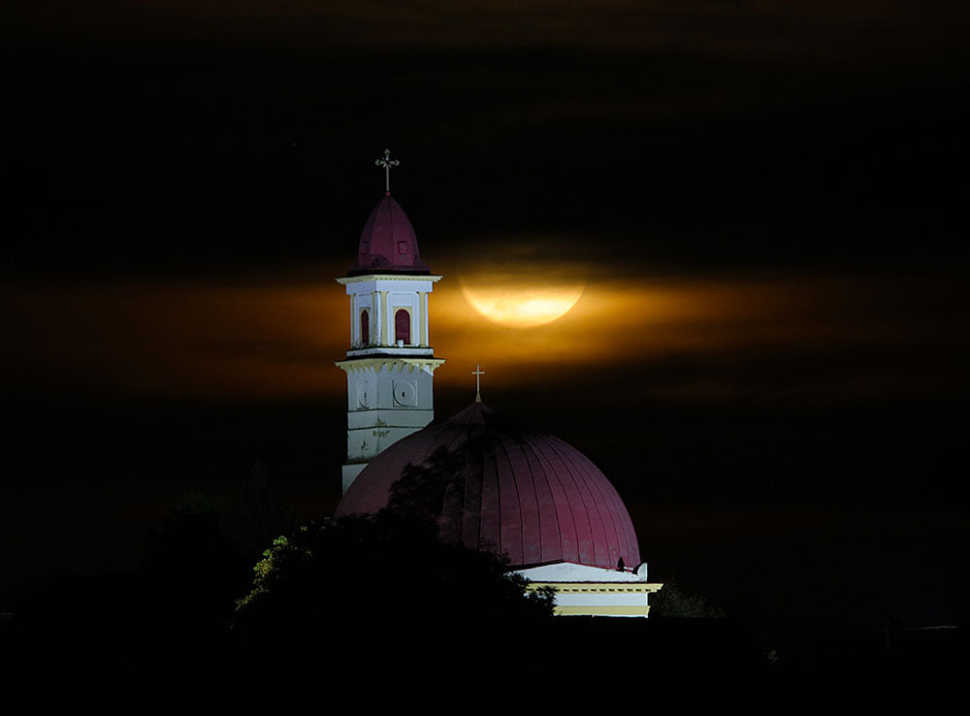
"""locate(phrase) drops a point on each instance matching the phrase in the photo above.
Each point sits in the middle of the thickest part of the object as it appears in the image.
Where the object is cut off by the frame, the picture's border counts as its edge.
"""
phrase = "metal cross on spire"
(387, 163)
(478, 373)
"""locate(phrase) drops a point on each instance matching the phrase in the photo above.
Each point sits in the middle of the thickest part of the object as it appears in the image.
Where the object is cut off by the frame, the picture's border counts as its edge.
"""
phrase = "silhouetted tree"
(386, 592)
(675, 601)
(381, 587)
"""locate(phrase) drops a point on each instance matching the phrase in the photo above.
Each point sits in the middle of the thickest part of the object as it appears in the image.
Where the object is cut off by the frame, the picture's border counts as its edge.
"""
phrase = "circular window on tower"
(405, 393)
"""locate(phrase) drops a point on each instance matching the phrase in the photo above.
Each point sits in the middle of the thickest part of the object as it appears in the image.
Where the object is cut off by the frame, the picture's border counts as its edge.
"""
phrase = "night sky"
(766, 202)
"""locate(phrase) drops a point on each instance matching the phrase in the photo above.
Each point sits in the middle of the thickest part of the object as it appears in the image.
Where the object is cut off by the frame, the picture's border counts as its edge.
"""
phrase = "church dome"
(388, 243)
(530, 496)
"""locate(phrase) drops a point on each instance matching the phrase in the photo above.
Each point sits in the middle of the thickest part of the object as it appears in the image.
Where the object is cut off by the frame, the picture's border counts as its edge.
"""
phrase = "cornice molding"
(589, 587)
(388, 277)
(376, 364)
(619, 610)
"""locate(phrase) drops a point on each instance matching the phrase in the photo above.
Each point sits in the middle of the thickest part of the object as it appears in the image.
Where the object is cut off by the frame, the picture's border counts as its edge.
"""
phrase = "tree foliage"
(385, 586)
(364, 566)
(676, 601)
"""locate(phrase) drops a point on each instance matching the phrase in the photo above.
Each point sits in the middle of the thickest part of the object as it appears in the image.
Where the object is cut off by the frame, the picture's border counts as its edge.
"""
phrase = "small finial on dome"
(478, 373)
(387, 163)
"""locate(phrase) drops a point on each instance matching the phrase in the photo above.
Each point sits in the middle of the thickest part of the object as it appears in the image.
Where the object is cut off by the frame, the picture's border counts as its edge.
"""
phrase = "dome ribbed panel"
(606, 517)
(528, 505)
(452, 518)
(533, 497)
(599, 552)
(568, 535)
(471, 516)
(620, 533)
(578, 505)
(490, 535)
(511, 516)
(550, 547)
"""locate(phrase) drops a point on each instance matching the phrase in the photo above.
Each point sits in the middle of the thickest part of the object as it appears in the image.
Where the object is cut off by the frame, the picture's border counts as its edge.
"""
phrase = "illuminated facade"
(390, 363)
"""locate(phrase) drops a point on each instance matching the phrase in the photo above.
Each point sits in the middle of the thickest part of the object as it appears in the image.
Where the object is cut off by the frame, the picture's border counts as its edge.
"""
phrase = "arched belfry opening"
(402, 326)
(365, 327)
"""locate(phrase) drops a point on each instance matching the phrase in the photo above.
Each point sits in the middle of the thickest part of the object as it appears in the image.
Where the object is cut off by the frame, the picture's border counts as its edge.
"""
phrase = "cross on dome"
(478, 373)
(387, 163)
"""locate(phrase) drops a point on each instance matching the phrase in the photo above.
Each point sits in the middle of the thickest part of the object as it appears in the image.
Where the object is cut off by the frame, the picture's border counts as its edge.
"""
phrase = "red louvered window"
(402, 326)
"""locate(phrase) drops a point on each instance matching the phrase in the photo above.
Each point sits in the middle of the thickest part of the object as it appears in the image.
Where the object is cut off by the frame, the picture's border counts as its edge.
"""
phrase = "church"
(524, 494)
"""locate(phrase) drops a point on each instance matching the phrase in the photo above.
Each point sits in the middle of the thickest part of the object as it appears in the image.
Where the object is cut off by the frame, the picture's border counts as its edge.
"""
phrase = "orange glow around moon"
(517, 304)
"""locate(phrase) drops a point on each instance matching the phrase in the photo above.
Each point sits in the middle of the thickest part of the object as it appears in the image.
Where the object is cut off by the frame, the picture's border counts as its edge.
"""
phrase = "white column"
(385, 327)
(423, 302)
(376, 318)
(353, 320)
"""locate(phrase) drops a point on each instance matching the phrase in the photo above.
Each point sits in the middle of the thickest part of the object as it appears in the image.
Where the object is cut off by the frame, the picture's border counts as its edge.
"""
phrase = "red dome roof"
(388, 243)
(532, 497)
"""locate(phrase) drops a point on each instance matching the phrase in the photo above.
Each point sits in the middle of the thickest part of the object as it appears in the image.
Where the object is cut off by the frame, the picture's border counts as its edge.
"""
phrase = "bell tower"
(390, 363)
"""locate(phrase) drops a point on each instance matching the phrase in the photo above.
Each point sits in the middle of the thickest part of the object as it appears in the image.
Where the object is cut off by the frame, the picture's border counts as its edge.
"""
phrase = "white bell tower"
(390, 364)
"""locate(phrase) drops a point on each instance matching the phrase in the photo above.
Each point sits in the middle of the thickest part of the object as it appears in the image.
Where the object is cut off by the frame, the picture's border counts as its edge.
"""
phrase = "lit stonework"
(389, 365)
(593, 591)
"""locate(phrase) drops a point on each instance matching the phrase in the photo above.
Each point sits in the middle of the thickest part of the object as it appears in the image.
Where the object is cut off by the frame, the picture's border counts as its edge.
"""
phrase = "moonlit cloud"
(694, 337)
(522, 291)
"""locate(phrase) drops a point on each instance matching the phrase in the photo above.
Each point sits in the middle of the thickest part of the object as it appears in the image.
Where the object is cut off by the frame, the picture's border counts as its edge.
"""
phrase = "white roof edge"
(389, 277)
(578, 573)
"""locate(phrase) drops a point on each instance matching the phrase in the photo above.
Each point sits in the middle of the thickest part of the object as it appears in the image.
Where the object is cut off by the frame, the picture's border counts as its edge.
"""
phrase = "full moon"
(520, 304)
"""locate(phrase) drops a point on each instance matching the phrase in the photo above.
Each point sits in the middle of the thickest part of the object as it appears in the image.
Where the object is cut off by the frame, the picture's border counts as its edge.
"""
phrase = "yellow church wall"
(619, 610)
(604, 598)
